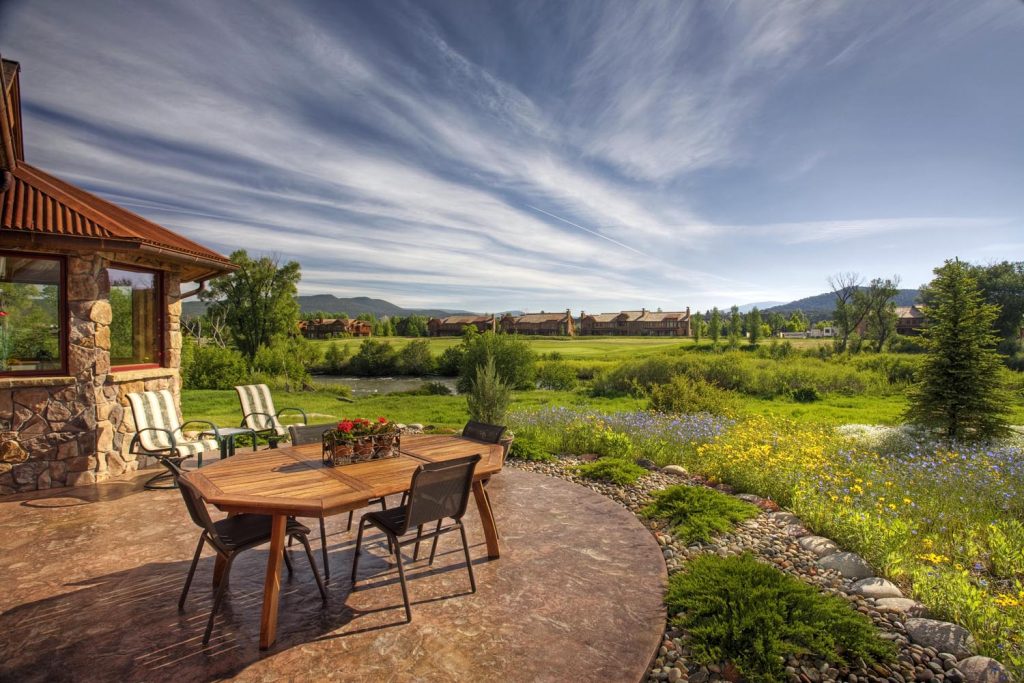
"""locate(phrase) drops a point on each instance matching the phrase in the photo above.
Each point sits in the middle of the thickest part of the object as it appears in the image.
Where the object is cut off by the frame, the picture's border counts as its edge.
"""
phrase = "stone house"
(451, 326)
(642, 323)
(547, 324)
(90, 305)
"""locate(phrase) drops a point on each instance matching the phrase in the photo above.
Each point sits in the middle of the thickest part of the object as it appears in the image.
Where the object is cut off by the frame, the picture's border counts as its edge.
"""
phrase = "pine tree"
(959, 388)
(715, 328)
(754, 325)
(696, 324)
(735, 327)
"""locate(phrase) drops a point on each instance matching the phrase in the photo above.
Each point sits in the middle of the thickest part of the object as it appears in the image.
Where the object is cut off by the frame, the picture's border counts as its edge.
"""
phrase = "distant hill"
(760, 305)
(821, 306)
(351, 306)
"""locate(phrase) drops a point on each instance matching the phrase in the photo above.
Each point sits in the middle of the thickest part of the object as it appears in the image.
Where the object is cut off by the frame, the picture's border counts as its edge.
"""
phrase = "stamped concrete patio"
(92, 577)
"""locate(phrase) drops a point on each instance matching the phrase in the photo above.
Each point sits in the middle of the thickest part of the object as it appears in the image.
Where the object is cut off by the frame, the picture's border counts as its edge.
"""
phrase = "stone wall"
(74, 430)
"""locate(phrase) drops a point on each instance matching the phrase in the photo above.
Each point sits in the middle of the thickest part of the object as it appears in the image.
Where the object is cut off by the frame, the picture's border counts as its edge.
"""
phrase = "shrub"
(334, 358)
(634, 378)
(621, 471)
(489, 395)
(806, 395)
(593, 436)
(426, 389)
(739, 610)
(686, 396)
(696, 513)
(374, 359)
(524, 448)
(211, 367)
(287, 358)
(513, 359)
(449, 363)
(556, 375)
(415, 358)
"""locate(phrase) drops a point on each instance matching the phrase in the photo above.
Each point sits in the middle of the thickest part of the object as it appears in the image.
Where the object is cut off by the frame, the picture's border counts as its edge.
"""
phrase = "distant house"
(642, 323)
(909, 320)
(329, 328)
(546, 324)
(452, 325)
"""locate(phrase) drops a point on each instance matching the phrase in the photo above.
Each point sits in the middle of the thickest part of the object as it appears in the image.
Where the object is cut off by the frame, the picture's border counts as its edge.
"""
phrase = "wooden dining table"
(294, 481)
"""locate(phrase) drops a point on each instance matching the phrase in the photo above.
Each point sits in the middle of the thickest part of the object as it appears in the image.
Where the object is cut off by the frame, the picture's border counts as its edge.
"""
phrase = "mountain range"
(352, 306)
(821, 306)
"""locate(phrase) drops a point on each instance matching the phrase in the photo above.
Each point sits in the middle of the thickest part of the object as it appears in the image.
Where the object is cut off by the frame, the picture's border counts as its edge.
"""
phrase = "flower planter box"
(345, 450)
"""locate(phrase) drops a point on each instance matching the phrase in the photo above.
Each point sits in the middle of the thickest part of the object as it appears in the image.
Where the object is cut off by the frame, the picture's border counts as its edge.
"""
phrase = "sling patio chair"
(158, 434)
(229, 537)
(488, 433)
(258, 413)
(439, 491)
(307, 434)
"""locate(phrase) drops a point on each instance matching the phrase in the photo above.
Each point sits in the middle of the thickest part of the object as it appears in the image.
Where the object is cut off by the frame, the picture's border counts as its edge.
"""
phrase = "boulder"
(876, 588)
(674, 469)
(850, 565)
(904, 605)
(785, 518)
(941, 635)
(983, 670)
(819, 545)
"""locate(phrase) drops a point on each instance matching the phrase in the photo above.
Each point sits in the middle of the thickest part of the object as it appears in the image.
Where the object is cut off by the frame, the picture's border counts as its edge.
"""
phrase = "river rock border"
(928, 649)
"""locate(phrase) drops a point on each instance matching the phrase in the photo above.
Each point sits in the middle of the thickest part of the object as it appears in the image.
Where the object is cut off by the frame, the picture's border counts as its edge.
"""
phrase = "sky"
(544, 155)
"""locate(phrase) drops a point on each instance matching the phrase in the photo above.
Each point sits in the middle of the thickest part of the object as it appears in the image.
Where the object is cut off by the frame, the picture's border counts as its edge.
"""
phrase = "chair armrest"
(246, 416)
(213, 427)
(137, 441)
(305, 420)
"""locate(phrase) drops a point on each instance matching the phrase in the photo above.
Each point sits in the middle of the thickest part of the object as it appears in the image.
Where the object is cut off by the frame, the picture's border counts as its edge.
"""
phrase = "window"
(135, 328)
(31, 314)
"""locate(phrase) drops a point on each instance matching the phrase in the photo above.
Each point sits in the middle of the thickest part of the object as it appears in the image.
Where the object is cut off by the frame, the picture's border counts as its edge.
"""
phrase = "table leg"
(486, 520)
(272, 584)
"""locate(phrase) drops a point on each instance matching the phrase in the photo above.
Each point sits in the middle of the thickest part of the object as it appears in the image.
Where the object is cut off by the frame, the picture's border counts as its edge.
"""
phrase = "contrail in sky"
(592, 232)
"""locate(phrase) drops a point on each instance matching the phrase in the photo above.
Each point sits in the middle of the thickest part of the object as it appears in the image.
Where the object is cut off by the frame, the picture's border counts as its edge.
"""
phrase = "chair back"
(440, 490)
(258, 408)
(196, 506)
(306, 434)
(155, 409)
(481, 431)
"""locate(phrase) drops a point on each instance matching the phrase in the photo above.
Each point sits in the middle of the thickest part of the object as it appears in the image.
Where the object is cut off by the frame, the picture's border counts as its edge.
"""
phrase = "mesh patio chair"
(159, 434)
(439, 491)
(229, 537)
(258, 413)
(488, 433)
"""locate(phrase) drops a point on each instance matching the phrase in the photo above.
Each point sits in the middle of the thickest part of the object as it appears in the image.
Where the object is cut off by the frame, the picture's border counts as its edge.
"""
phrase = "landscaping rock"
(850, 565)
(674, 469)
(647, 464)
(876, 588)
(784, 518)
(904, 605)
(941, 635)
(819, 545)
(979, 669)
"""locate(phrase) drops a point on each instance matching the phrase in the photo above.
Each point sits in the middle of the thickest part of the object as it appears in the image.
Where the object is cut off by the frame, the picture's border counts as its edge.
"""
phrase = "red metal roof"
(37, 203)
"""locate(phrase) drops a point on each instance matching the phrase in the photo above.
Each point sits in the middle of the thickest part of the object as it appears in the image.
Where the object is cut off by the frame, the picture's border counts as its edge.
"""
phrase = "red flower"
(382, 420)
(3, 314)
(345, 426)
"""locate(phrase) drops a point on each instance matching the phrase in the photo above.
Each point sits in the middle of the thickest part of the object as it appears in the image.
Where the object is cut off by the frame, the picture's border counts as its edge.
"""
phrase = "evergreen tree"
(715, 328)
(754, 325)
(735, 326)
(959, 388)
(696, 323)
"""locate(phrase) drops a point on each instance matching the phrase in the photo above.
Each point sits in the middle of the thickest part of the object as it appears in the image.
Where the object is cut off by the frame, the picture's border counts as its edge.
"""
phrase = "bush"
(449, 363)
(415, 358)
(489, 395)
(621, 471)
(634, 378)
(287, 358)
(374, 359)
(513, 358)
(686, 396)
(334, 358)
(211, 367)
(696, 513)
(739, 610)
(806, 395)
(595, 437)
(556, 375)
(528, 449)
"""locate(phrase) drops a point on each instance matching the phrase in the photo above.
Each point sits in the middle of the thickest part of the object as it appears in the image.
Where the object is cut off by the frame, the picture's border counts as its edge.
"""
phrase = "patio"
(93, 575)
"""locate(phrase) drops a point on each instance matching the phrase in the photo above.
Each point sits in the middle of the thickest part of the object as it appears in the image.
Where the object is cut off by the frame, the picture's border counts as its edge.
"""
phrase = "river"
(370, 386)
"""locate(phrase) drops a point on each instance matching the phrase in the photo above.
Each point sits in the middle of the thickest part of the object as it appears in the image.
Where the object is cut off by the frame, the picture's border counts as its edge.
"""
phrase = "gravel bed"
(773, 538)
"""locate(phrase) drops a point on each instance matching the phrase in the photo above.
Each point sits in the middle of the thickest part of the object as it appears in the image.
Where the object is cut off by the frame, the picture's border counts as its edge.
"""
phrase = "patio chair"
(307, 434)
(158, 434)
(229, 537)
(488, 433)
(258, 413)
(439, 491)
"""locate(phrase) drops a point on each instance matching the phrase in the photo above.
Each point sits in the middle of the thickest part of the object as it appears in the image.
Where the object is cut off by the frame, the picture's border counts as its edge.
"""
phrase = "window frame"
(161, 305)
(64, 320)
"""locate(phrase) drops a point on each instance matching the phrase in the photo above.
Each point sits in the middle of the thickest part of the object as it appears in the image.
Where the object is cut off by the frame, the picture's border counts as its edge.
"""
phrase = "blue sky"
(530, 155)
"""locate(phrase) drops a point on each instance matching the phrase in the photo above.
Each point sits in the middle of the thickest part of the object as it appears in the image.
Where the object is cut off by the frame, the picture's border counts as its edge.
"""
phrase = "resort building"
(909, 320)
(642, 323)
(546, 324)
(452, 325)
(329, 328)
(90, 305)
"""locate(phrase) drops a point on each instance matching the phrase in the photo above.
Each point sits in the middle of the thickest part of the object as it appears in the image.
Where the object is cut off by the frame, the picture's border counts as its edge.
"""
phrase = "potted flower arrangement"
(361, 440)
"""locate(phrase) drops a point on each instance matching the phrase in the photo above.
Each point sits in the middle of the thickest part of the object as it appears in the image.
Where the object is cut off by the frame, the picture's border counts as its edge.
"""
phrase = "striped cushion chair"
(258, 413)
(158, 434)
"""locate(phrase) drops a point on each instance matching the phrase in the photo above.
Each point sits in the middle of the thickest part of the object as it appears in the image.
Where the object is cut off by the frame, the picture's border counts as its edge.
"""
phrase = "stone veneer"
(74, 430)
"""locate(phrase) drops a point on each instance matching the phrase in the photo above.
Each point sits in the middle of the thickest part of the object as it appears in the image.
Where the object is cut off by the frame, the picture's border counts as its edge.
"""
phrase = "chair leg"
(405, 589)
(355, 558)
(323, 548)
(350, 513)
(469, 561)
(287, 561)
(433, 546)
(191, 573)
(416, 548)
(221, 590)
(312, 564)
(151, 484)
